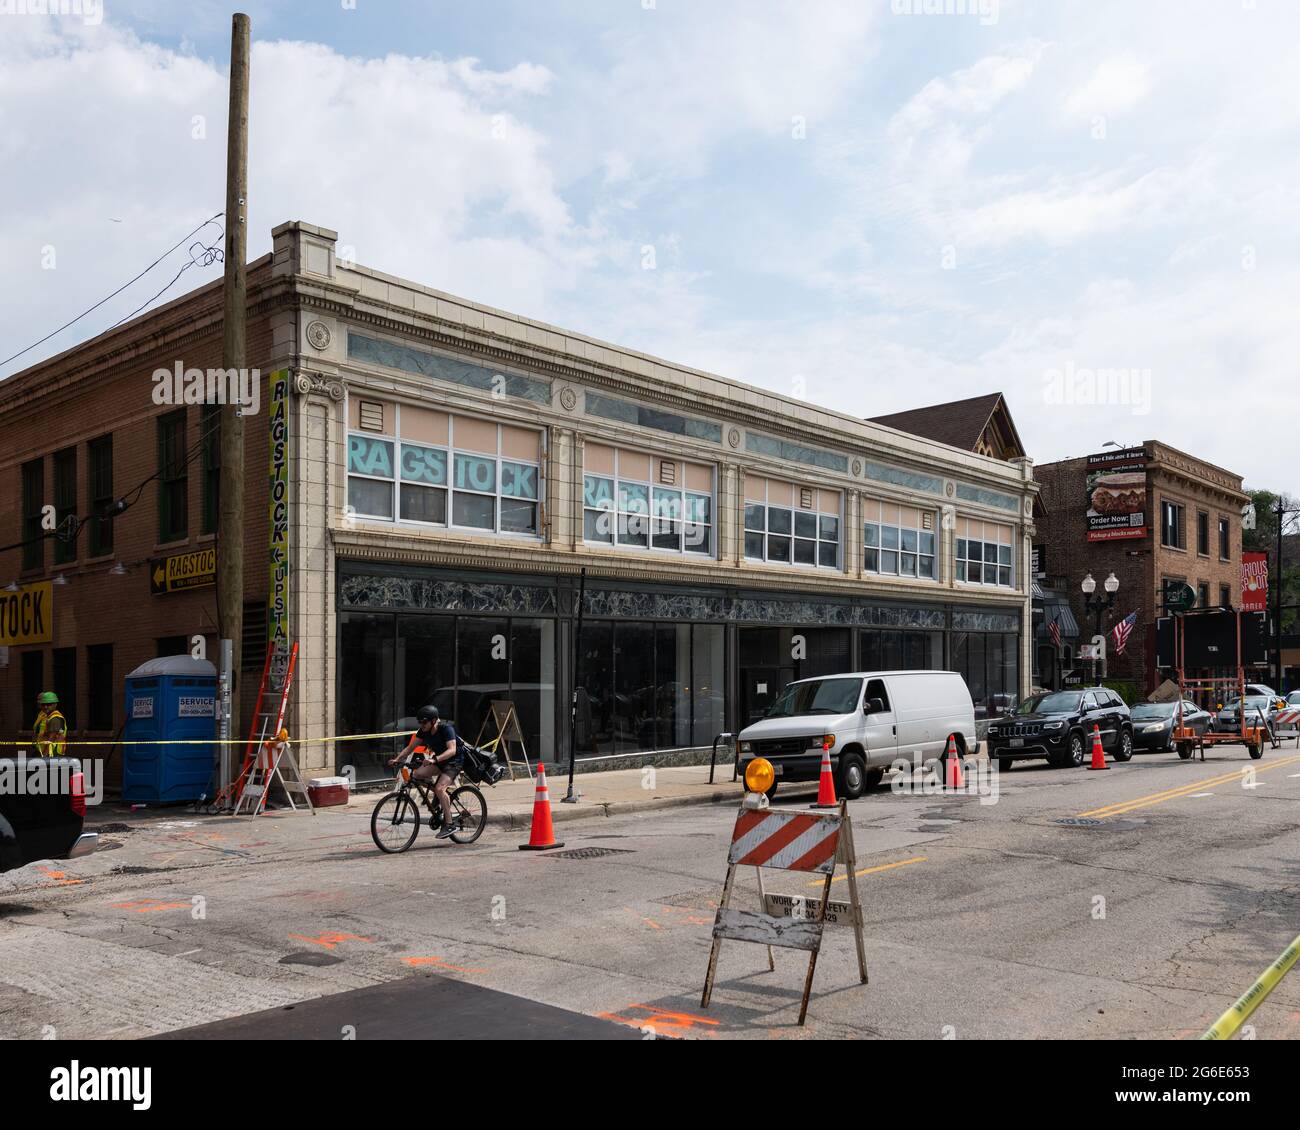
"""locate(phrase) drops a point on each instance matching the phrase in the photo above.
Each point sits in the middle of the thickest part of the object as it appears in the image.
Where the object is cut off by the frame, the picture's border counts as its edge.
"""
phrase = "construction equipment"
(1185, 739)
(266, 726)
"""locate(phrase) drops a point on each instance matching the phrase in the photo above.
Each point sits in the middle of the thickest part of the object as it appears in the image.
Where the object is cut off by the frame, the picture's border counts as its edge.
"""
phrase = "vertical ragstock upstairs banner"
(277, 599)
(789, 841)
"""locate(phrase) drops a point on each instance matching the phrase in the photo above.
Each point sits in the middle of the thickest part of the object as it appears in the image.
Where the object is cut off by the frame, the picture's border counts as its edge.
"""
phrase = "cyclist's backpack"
(481, 767)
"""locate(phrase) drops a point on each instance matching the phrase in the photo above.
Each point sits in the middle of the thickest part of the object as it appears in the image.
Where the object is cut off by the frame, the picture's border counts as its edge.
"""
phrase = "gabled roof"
(958, 423)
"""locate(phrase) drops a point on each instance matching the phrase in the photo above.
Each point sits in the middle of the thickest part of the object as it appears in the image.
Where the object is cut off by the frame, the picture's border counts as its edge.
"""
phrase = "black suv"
(1058, 726)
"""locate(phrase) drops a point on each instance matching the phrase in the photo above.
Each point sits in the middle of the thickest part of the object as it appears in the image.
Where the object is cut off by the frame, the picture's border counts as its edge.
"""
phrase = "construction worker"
(50, 728)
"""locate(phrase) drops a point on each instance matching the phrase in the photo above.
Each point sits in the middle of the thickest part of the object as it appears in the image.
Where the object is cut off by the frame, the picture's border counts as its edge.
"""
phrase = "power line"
(119, 290)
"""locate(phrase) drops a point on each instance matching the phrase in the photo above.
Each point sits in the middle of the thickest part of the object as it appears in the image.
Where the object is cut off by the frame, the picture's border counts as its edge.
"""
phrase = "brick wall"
(106, 387)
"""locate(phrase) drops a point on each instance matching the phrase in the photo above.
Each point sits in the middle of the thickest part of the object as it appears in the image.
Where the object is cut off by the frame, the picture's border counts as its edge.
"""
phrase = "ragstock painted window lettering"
(624, 504)
(780, 528)
(895, 540)
(395, 478)
(984, 554)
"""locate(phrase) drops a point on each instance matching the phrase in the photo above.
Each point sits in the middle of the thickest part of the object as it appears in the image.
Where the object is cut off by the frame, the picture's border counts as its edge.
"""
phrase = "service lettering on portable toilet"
(170, 699)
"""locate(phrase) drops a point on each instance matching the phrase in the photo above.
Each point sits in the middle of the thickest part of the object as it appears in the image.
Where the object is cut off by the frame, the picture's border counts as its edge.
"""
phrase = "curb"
(562, 813)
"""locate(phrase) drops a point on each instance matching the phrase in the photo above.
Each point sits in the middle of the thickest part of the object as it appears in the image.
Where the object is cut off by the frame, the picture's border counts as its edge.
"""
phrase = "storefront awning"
(1056, 607)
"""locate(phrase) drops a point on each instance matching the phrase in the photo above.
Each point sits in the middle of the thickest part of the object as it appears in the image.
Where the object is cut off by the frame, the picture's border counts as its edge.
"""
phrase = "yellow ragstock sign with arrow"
(183, 571)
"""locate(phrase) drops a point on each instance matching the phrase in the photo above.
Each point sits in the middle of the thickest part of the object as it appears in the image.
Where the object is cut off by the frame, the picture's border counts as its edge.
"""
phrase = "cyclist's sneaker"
(446, 831)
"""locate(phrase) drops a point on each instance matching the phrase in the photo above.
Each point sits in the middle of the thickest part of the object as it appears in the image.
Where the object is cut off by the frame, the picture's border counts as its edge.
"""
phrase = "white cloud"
(1115, 87)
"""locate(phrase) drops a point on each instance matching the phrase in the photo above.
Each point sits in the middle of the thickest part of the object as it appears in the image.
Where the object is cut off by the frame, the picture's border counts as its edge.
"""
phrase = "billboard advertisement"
(1254, 582)
(1117, 494)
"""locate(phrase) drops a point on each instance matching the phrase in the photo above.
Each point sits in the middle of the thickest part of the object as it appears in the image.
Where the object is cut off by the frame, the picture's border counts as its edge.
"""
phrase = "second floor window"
(1203, 533)
(1225, 540)
(898, 540)
(65, 503)
(444, 470)
(984, 553)
(173, 482)
(1171, 526)
(646, 502)
(791, 525)
(210, 439)
(99, 483)
(33, 500)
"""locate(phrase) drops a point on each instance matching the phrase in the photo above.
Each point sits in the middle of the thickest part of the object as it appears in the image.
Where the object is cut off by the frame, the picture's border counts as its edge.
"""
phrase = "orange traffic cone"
(826, 783)
(1098, 756)
(543, 835)
(953, 776)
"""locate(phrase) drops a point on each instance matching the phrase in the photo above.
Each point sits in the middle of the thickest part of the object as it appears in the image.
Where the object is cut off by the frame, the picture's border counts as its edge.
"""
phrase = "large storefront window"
(897, 540)
(893, 649)
(646, 686)
(641, 501)
(391, 665)
(791, 525)
(984, 554)
(438, 469)
(990, 664)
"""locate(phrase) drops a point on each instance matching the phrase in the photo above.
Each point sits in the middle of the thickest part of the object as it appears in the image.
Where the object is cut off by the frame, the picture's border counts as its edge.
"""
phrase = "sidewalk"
(619, 791)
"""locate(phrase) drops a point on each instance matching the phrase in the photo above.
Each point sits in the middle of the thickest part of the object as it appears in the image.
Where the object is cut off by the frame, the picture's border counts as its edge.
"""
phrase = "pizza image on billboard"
(1117, 495)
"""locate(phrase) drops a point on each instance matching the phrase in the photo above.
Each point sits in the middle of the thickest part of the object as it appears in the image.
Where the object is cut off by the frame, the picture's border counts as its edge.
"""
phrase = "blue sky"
(871, 207)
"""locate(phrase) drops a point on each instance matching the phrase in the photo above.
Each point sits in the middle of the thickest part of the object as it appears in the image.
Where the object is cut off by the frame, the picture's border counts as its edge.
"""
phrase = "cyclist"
(438, 742)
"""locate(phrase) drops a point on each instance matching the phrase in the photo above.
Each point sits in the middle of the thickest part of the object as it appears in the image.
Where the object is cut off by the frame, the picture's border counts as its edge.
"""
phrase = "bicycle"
(396, 820)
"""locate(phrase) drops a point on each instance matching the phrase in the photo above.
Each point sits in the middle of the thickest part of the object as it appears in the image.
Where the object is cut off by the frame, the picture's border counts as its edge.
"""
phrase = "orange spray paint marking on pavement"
(416, 962)
(661, 1020)
(145, 906)
(60, 877)
(329, 940)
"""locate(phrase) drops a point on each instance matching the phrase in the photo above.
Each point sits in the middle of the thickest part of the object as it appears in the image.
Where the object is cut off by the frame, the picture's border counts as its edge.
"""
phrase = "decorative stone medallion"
(568, 399)
(857, 466)
(733, 437)
(318, 335)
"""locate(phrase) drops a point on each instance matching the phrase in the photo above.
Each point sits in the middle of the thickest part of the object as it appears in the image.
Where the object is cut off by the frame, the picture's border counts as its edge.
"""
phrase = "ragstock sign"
(277, 627)
(1254, 582)
(1117, 495)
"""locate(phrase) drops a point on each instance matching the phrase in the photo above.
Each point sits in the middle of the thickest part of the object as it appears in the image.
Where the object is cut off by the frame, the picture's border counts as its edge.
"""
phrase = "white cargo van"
(868, 719)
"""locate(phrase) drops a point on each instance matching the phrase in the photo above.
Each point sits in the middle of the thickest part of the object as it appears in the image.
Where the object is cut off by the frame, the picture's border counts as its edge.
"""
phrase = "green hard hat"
(47, 698)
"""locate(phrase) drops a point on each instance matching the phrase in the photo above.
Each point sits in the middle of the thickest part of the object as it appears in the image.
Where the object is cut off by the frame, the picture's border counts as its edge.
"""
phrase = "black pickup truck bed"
(42, 811)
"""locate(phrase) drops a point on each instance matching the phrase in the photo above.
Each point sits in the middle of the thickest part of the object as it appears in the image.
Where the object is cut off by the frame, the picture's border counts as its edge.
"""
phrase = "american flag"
(1054, 630)
(1122, 631)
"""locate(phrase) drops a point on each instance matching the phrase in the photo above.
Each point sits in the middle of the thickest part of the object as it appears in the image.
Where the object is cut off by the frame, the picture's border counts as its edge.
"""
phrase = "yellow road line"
(871, 870)
(1124, 806)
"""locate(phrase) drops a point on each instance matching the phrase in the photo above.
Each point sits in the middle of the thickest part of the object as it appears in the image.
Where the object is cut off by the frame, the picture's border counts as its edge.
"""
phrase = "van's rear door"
(879, 730)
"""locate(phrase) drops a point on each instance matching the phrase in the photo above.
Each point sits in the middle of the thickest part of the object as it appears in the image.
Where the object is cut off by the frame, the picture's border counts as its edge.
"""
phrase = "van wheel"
(874, 777)
(853, 776)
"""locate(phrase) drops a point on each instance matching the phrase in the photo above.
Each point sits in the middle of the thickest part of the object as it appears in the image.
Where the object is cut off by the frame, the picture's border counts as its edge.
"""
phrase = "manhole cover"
(1078, 822)
(590, 853)
(310, 959)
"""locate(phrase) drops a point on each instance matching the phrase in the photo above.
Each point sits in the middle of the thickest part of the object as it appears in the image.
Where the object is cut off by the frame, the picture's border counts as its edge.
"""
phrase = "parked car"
(1259, 711)
(1292, 702)
(1057, 726)
(42, 815)
(866, 719)
(1153, 723)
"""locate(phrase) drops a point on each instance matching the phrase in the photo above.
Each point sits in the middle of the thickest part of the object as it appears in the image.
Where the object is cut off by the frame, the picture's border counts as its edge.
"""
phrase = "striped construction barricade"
(797, 841)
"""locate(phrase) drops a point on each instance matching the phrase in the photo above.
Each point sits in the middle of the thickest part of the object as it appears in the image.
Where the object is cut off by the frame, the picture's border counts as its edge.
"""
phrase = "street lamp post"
(1099, 607)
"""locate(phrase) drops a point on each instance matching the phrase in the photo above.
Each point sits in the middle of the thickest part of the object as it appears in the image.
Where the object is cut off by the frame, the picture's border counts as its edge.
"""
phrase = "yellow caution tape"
(226, 741)
(1252, 998)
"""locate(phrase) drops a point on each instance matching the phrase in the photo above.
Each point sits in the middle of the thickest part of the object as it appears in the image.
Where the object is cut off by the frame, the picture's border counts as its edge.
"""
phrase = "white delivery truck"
(867, 719)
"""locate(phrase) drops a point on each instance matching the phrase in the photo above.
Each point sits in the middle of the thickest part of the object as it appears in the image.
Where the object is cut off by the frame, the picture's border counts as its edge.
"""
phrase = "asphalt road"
(1137, 902)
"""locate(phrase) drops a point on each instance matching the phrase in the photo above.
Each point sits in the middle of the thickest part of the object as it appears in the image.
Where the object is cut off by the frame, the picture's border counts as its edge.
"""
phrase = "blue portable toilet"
(172, 698)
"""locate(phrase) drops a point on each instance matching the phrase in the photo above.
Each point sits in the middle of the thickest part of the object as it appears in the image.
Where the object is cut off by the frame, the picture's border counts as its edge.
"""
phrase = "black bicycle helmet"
(427, 714)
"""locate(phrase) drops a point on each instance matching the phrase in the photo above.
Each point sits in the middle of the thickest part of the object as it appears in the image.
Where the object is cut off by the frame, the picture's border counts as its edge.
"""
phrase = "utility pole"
(230, 521)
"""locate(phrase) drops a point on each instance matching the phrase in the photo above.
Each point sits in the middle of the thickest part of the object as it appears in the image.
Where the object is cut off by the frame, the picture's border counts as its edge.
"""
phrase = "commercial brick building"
(451, 468)
(1190, 534)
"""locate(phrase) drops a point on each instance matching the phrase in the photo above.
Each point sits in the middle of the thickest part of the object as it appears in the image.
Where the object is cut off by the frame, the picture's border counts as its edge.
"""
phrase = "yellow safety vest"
(53, 747)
